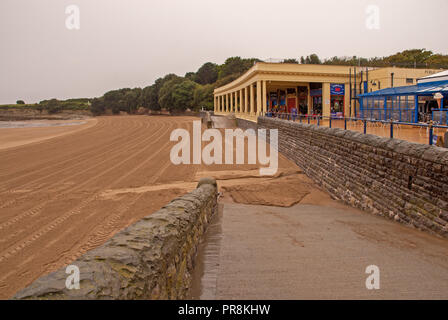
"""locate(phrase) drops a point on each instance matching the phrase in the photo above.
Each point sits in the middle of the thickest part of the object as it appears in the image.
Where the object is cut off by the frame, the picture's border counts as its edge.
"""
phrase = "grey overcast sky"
(130, 43)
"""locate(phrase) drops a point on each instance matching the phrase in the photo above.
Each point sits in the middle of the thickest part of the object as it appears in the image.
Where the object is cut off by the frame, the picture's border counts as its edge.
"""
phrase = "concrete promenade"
(316, 252)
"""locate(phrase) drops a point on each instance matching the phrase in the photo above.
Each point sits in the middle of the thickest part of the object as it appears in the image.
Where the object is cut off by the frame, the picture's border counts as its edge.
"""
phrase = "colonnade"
(251, 99)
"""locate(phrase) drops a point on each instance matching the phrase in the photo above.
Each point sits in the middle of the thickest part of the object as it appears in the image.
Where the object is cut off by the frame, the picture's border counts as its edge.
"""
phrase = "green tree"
(177, 94)
(98, 106)
(207, 74)
(151, 96)
(410, 57)
(166, 92)
(312, 59)
(290, 61)
(203, 97)
(132, 100)
(115, 100)
(53, 106)
(223, 81)
(190, 76)
(20, 102)
(236, 65)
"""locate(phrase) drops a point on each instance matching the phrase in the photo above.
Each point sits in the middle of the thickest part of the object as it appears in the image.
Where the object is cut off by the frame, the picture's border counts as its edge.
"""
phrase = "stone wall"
(152, 259)
(246, 124)
(404, 181)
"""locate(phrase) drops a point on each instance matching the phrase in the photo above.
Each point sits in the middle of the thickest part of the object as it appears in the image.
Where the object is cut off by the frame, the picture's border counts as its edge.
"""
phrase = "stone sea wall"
(246, 124)
(400, 180)
(151, 259)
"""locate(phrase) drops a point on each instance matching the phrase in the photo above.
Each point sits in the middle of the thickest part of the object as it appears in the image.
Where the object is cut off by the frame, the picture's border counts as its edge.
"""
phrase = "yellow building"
(382, 78)
(305, 88)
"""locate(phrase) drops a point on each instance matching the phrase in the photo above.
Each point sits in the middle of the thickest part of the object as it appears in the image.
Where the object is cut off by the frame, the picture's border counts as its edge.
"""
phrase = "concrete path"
(314, 252)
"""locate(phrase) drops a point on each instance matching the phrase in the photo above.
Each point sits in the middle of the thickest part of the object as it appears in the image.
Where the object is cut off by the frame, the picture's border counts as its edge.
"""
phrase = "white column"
(264, 101)
(259, 106)
(246, 100)
(252, 100)
(241, 100)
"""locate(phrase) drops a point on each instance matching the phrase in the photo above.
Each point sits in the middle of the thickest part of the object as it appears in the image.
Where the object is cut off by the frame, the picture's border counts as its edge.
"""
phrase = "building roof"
(419, 89)
(341, 72)
(440, 76)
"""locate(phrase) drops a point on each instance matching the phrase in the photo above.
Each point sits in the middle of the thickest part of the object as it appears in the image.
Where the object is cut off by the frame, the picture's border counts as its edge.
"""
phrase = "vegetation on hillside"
(52, 106)
(195, 90)
(176, 94)
(414, 58)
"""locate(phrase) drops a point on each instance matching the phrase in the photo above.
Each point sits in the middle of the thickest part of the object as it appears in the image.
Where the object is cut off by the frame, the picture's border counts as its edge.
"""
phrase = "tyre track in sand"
(32, 184)
(36, 170)
(38, 209)
(106, 230)
(12, 153)
(57, 236)
(35, 210)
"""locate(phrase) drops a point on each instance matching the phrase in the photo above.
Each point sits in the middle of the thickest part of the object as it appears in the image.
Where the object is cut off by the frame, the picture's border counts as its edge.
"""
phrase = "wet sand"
(19, 133)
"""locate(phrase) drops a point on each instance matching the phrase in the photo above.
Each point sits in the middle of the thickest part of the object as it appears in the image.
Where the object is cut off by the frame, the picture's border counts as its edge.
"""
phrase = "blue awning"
(419, 89)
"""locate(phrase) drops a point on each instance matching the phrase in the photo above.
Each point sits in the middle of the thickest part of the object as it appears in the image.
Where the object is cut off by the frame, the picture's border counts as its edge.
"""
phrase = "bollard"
(365, 126)
(318, 121)
(431, 133)
(308, 119)
(391, 128)
(330, 122)
(345, 123)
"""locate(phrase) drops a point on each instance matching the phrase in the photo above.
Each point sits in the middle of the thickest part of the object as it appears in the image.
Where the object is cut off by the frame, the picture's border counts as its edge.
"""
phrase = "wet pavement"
(316, 252)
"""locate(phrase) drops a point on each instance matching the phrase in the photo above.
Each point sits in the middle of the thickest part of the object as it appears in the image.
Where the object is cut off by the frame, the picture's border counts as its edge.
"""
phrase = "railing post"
(365, 126)
(392, 128)
(431, 133)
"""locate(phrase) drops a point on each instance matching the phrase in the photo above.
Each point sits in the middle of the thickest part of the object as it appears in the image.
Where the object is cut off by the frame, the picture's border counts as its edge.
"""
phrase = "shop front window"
(337, 104)
(337, 94)
(316, 97)
(302, 93)
(317, 105)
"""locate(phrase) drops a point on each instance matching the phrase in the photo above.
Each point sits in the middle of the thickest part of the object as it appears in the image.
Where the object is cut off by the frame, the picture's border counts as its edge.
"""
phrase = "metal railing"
(362, 123)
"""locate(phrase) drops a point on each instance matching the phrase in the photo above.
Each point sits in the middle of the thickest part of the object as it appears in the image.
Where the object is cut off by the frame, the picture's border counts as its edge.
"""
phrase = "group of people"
(282, 113)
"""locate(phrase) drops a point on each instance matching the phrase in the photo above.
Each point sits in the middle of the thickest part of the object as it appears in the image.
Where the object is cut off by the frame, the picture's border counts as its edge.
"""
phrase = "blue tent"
(402, 103)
